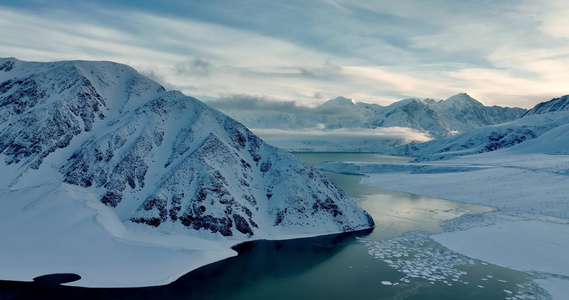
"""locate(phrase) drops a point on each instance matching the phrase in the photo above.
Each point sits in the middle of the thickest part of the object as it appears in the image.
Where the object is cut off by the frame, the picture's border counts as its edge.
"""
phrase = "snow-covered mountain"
(556, 104)
(457, 114)
(463, 113)
(412, 113)
(541, 130)
(345, 125)
(157, 158)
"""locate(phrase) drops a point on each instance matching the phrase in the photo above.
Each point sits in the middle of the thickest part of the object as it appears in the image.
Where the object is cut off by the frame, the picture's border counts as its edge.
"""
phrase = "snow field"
(60, 233)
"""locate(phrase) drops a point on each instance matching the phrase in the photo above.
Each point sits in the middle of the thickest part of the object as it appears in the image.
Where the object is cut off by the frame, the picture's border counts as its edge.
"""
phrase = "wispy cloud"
(506, 52)
(254, 103)
(195, 67)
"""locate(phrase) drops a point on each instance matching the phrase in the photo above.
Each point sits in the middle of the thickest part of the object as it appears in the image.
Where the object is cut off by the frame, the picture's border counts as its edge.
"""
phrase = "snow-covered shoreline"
(61, 232)
(503, 182)
(529, 231)
(65, 229)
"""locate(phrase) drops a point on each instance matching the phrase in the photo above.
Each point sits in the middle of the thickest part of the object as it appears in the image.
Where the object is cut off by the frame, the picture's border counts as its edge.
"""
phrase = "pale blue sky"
(511, 52)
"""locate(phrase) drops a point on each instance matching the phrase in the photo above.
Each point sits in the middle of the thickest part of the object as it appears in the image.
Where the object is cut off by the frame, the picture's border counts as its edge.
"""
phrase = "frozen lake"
(397, 260)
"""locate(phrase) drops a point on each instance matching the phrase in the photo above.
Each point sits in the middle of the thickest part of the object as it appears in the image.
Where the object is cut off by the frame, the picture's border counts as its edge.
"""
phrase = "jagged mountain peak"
(340, 101)
(553, 105)
(461, 100)
(407, 102)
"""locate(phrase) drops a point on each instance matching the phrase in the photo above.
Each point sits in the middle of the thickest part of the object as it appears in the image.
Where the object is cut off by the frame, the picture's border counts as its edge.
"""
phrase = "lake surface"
(397, 260)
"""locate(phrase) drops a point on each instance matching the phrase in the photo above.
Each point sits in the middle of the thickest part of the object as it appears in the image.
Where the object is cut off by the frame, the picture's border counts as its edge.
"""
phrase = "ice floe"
(418, 257)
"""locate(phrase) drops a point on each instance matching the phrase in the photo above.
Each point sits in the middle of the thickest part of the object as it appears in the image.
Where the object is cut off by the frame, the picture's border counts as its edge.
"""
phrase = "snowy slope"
(463, 113)
(162, 163)
(547, 127)
(487, 139)
(412, 113)
(556, 104)
(554, 141)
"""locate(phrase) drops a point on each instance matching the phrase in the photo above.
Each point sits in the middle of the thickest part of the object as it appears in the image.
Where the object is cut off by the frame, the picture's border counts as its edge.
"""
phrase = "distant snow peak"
(461, 97)
(437, 119)
(462, 101)
(538, 133)
(341, 101)
(553, 105)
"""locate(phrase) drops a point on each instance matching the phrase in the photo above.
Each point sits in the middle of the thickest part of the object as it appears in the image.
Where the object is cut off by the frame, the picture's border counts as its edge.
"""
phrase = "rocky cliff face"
(160, 158)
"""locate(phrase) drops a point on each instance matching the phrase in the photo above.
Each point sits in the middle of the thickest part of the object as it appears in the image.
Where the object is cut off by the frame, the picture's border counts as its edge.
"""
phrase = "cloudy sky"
(508, 52)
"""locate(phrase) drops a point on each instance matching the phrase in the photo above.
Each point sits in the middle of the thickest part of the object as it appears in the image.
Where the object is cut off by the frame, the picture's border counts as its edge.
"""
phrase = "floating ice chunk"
(413, 255)
(386, 282)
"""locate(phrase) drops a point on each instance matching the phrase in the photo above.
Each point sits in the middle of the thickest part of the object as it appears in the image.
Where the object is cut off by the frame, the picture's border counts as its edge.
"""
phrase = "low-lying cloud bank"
(380, 139)
(247, 103)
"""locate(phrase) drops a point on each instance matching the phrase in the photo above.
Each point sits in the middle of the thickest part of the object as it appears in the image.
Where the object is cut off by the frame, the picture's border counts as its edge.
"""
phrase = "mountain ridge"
(442, 118)
(555, 104)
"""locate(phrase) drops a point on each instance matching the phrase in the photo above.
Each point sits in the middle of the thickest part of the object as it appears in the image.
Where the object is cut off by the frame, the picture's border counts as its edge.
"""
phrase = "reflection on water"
(395, 261)
(394, 212)
(314, 158)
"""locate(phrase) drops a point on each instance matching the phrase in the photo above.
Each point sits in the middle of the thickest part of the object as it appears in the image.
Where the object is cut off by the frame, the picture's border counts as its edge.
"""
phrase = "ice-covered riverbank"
(529, 191)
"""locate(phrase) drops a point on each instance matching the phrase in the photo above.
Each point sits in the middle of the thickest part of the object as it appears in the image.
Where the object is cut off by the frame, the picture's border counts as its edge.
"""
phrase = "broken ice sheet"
(414, 254)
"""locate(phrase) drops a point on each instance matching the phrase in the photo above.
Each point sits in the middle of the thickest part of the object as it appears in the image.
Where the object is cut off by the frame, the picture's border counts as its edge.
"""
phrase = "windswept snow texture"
(161, 161)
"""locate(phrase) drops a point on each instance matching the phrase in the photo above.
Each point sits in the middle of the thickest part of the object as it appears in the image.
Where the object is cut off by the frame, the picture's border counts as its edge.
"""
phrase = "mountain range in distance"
(542, 129)
(457, 114)
(344, 125)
